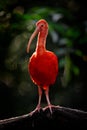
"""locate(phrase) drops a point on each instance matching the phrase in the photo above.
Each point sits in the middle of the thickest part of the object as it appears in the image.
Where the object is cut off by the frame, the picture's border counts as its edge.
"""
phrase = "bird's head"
(41, 27)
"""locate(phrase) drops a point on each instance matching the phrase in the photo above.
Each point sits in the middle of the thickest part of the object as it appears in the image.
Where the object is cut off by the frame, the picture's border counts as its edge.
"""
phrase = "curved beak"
(32, 37)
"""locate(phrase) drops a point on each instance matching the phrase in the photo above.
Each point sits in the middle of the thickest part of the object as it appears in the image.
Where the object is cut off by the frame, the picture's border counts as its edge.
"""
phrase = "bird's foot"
(37, 109)
(50, 106)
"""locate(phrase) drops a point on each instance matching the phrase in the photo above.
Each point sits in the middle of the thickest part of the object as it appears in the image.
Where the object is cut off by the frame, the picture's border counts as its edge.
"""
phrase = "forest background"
(67, 38)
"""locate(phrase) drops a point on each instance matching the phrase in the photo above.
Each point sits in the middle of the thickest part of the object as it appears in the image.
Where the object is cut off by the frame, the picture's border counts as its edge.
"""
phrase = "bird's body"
(43, 64)
(43, 68)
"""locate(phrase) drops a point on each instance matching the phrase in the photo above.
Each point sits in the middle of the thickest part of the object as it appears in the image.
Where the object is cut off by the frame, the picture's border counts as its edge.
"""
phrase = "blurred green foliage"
(67, 38)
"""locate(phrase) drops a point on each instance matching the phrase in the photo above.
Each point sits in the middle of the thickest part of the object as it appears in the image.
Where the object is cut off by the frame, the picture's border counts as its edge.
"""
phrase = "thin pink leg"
(40, 95)
(39, 101)
(47, 98)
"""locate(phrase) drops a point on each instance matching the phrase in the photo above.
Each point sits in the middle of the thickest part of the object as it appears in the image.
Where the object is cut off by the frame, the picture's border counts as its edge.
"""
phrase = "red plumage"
(43, 68)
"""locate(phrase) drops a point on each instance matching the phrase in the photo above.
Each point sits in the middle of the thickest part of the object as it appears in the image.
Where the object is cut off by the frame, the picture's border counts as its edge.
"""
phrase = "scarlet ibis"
(43, 64)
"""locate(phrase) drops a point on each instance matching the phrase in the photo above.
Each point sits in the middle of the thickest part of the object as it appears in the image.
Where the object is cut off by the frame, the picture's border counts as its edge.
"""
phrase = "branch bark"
(61, 117)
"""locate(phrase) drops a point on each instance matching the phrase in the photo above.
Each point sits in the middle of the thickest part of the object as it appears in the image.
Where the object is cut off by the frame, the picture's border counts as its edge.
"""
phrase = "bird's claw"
(50, 108)
(37, 109)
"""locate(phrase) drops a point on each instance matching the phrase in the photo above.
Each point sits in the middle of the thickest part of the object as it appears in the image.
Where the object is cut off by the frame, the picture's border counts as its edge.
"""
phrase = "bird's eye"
(42, 25)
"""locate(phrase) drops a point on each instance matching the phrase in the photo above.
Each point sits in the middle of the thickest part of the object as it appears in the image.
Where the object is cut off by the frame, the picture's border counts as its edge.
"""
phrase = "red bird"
(43, 64)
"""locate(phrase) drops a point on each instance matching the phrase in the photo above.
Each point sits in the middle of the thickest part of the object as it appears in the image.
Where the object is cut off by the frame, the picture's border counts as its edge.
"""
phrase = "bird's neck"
(41, 43)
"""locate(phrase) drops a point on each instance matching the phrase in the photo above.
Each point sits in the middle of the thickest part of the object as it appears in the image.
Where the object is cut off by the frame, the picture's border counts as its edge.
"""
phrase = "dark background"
(67, 38)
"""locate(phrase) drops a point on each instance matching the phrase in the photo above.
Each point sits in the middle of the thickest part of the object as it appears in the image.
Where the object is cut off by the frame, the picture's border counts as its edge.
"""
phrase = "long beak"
(31, 38)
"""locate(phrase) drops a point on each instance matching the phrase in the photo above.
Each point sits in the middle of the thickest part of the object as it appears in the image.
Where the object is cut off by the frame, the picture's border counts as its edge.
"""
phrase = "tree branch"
(62, 117)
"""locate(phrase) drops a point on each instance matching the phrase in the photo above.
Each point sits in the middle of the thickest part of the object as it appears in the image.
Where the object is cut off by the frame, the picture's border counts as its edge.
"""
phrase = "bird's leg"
(39, 101)
(47, 98)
